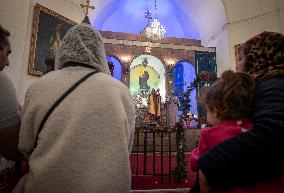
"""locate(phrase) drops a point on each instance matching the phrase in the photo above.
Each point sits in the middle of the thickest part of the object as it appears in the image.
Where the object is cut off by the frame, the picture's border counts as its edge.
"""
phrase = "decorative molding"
(143, 38)
(255, 17)
(31, 69)
(158, 45)
(225, 26)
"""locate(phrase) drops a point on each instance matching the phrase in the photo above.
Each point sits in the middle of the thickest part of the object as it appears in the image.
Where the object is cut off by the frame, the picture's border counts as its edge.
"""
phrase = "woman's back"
(87, 139)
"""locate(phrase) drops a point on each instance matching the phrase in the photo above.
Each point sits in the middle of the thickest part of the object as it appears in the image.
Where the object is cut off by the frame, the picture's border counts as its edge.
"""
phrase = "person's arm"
(27, 132)
(130, 117)
(9, 119)
(131, 125)
(197, 152)
(9, 138)
(254, 155)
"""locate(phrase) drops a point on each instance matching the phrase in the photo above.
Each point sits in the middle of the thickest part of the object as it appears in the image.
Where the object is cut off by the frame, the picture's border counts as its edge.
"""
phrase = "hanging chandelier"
(155, 31)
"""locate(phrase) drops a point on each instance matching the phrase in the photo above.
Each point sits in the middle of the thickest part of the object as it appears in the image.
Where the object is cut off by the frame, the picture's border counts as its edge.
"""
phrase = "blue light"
(117, 67)
(128, 16)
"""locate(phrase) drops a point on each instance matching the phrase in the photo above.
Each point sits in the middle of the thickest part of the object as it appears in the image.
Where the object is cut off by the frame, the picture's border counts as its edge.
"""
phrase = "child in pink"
(229, 103)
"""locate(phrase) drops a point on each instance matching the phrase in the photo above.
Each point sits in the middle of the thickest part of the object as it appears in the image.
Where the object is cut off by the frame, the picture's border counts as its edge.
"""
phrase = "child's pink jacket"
(211, 136)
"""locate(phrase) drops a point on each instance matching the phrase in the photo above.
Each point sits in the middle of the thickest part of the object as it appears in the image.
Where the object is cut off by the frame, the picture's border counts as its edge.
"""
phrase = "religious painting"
(147, 72)
(143, 78)
(49, 28)
(236, 48)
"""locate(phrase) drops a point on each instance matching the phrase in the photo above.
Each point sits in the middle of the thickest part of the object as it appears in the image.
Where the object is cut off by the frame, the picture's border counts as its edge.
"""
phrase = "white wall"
(209, 16)
(223, 55)
(17, 17)
(262, 15)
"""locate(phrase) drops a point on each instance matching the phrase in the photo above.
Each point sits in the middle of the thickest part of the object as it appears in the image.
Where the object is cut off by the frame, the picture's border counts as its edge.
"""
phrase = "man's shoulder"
(6, 85)
(4, 79)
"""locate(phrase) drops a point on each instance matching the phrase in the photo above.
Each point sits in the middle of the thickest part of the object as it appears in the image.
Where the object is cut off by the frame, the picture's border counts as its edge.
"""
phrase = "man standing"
(5, 48)
(9, 108)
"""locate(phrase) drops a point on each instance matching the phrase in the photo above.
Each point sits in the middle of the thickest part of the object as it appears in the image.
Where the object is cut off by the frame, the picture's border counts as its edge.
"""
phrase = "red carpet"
(139, 182)
(150, 181)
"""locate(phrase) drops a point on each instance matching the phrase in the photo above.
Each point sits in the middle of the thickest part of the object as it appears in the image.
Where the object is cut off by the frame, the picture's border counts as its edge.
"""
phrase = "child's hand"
(243, 130)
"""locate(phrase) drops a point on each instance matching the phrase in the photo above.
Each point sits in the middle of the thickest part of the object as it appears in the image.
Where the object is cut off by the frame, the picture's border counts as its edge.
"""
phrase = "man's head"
(5, 48)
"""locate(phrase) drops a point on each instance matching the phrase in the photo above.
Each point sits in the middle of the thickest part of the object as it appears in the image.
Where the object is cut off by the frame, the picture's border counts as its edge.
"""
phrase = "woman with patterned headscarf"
(85, 142)
(256, 156)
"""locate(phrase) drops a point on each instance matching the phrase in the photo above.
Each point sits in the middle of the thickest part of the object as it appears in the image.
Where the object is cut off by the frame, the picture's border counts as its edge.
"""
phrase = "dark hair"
(231, 95)
(3, 36)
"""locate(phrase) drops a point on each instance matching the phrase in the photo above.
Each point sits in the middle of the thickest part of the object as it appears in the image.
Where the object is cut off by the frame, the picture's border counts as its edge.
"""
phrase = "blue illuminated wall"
(184, 74)
(128, 16)
(117, 67)
(179, 82)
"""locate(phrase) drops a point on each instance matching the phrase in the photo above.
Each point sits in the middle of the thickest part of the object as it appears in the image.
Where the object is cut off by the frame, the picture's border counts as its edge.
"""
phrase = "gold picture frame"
(47, 26)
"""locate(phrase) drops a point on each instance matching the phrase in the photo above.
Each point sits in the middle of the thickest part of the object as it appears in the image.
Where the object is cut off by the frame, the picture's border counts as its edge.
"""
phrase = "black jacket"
(258, 154)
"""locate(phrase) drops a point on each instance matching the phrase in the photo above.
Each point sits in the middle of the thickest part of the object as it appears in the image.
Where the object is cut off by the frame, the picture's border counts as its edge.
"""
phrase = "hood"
(82, 44)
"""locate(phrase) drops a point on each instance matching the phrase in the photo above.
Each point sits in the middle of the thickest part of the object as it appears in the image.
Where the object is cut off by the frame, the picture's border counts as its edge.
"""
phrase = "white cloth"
(173, 104)
(85, 143)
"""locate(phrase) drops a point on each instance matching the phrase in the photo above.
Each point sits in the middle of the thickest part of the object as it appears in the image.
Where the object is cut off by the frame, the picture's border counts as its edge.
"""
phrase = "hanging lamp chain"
(155, 9)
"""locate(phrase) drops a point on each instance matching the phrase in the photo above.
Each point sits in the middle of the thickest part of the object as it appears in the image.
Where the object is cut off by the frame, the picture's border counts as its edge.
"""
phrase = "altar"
(169, 64)
(159, 75)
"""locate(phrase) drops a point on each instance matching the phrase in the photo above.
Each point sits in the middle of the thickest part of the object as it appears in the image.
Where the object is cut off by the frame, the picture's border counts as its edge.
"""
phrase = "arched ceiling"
(194, 19)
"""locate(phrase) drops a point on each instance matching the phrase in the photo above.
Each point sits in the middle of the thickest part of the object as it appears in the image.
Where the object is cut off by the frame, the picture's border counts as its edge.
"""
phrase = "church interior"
(164, 51)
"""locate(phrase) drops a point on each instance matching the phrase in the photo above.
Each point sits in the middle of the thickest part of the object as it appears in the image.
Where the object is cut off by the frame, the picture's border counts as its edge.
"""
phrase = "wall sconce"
(170, 61)
(125, 58)
(148, 49)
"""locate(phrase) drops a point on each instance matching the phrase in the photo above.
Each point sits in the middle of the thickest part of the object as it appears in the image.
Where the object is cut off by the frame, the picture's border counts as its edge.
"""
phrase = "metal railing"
(157, 143)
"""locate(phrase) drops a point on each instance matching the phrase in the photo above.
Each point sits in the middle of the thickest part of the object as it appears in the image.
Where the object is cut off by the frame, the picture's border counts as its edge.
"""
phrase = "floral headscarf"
(264, 55)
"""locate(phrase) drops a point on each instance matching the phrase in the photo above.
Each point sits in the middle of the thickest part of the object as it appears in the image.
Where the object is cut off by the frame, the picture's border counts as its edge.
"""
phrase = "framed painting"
(48, 29)
(236, 48)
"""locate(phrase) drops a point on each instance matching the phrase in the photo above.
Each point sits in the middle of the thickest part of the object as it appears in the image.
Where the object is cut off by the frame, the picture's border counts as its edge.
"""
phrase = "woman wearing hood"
(84, 144)
(256, 156)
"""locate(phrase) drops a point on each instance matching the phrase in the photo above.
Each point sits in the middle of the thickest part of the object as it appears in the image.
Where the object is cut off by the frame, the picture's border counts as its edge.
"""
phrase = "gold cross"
(87, 7)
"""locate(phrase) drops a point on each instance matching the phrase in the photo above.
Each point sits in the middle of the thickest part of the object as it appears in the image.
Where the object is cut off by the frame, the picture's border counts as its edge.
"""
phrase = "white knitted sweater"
(85, 143)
